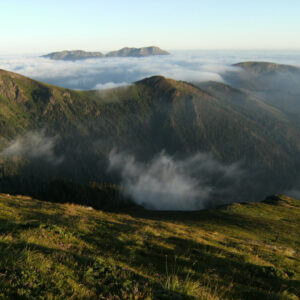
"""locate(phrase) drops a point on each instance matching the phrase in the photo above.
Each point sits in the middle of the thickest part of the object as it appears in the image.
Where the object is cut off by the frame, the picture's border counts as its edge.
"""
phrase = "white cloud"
(109, 85)
(33, 144)
(166, 183)
(181, 65)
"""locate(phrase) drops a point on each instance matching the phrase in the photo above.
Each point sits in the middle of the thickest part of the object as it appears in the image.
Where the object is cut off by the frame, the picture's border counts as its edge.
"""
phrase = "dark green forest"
(52, 136)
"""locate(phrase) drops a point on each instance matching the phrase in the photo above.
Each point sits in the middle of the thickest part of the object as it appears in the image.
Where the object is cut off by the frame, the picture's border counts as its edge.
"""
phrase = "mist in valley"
(161, 181)
(157, 164)
(188, 65)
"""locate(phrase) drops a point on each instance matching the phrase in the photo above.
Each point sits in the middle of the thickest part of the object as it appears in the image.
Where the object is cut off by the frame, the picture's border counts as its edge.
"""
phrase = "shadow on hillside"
(250, 280)
(209, 219)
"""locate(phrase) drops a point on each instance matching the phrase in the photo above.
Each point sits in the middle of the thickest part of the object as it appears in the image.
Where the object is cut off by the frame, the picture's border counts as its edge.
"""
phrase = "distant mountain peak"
(156, 79)
(137, 52)
(158, 84)
(72, 55)
(124, 52)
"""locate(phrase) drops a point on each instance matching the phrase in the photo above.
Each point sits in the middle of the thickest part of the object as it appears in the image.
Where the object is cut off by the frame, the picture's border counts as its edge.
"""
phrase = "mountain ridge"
(72, 55)
(275, 84)
(144, 118)
(124, 52)
(137, 52)
(263, 67)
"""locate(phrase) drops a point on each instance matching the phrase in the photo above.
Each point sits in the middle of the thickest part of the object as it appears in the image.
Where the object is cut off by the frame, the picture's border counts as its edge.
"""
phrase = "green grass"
(59, 251)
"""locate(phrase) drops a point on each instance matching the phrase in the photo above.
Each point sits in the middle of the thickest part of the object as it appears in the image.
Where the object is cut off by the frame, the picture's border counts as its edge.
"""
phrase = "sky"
(35, 26)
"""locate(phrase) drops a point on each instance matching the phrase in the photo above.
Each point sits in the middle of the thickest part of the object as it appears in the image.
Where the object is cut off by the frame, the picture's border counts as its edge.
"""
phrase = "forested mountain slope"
(80, 128)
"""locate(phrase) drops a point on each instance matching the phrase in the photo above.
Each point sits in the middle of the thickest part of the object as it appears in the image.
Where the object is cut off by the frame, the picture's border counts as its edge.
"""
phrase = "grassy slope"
(241, 251)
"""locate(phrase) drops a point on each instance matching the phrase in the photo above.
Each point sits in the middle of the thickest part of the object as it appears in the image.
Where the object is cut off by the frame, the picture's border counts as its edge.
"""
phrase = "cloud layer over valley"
(235, 129)
(110, 72)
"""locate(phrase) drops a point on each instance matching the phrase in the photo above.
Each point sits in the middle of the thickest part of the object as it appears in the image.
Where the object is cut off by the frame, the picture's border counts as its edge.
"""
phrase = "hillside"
(154, 114)
(241, 251)
(73, 55)
(276, 84)
(124, 52)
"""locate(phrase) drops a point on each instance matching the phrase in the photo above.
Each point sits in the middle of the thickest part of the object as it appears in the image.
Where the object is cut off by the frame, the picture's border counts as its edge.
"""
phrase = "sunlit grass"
(248, 251)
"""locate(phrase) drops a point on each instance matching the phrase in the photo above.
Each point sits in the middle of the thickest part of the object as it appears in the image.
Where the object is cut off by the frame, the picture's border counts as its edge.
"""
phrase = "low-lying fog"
(105, 73)
(164, 182)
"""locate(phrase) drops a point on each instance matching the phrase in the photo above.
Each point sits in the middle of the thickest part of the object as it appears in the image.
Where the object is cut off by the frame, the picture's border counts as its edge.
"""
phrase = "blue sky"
(31, 26)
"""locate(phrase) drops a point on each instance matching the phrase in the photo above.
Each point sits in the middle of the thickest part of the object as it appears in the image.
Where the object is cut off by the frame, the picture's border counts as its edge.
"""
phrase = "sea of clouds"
(107, 73)
(164, 182)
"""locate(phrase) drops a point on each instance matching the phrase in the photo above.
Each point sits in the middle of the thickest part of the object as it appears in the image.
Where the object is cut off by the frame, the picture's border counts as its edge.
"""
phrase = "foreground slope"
(241, 251)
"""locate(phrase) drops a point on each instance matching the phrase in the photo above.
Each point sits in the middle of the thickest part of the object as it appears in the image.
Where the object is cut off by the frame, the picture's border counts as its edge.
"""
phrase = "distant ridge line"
(124, 52)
